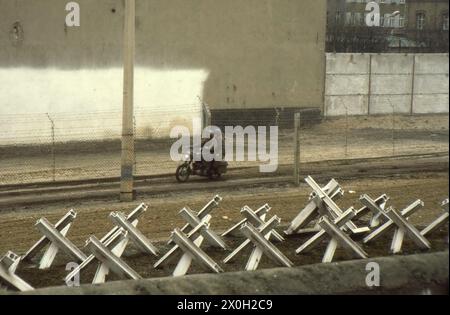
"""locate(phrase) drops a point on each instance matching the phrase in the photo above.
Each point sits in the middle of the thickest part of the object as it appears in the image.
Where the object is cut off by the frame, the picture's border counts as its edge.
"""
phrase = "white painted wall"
(362, 84)
(87, 104)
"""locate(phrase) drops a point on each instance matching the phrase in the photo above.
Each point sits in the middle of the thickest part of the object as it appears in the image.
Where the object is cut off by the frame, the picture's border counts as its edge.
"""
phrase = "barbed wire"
(30, 152)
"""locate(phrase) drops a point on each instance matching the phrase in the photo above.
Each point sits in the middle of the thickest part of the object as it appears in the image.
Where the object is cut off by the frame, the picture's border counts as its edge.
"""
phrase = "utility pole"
(297, 124)
(127, 160)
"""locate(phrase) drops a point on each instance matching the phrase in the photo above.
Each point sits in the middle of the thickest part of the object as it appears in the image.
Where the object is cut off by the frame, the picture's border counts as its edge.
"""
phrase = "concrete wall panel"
(388, 104)
(392, 64)
(391, 84)
(431, 63)
(347, 84)
(347, 63)
(431, 84)
(346, 105)
(431, 103)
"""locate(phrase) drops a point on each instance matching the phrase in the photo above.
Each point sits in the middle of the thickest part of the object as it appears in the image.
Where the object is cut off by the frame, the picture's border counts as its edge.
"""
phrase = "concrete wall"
(245, 54)
(414, 274)
(363, 84)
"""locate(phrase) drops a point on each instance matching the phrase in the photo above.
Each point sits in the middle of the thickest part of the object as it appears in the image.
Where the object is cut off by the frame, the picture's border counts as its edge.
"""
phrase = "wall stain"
(16, 34)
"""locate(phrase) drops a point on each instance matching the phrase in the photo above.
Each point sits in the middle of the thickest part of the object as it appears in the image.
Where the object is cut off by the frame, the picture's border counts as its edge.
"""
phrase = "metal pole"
(206, 115)
(53, 147)
(369, 93)
(393, 130)
(127, 160)
(134, 143)
(346, 131)
(413, 82)
(297, 118)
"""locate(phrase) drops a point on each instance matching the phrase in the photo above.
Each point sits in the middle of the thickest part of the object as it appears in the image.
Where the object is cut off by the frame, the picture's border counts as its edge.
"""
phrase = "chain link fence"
(359, 137)
(64, 147)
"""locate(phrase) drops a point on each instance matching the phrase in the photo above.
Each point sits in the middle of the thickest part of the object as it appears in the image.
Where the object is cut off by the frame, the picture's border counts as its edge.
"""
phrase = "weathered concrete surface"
(347, 84)
(234, 54)
(431, 84)
(416, 274)
(361, 84)
(391, 83)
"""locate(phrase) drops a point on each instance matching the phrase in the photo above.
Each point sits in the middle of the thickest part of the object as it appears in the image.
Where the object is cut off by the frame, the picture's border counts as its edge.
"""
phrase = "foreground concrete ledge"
(414, 274)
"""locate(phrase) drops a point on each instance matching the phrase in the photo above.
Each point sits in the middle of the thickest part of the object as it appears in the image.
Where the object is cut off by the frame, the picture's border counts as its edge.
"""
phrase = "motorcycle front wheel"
(183, 172)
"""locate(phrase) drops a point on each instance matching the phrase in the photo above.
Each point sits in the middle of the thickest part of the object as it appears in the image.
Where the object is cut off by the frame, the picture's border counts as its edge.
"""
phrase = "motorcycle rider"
(209, 141)
(209, 165)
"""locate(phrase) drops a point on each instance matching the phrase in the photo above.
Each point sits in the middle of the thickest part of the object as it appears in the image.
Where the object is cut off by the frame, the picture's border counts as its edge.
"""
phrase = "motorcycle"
(212, 170)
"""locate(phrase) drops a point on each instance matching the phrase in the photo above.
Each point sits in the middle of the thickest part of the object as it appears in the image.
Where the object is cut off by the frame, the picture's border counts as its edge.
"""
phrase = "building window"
(397, 21)
(401, 22)
(445, 21)
(387, 20)
(338, 18)
(420, 20)
(358, 19)
(348, 18)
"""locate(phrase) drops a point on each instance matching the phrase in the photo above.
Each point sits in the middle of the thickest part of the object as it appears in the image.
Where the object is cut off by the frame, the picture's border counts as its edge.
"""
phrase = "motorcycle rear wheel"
(183, 172)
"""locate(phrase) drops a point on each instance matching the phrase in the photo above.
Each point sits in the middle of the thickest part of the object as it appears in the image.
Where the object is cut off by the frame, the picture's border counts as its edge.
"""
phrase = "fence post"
(413, 82)
(206, 115)
(297, 118)
(52, 123)
(346, 131)
(127, 192)
(393, 130)
(369, 93)
(393, 127)
(134, 144)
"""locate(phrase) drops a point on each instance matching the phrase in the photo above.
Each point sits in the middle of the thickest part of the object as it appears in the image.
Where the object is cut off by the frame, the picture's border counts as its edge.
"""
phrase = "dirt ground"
(329, 139)
(17, 232)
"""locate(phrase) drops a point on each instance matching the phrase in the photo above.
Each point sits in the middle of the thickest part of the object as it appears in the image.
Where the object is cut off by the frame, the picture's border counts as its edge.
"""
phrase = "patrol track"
(18, 232)
(107, 189)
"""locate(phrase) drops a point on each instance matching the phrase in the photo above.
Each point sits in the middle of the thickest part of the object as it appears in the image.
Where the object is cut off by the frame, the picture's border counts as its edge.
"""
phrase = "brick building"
(405, 25)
